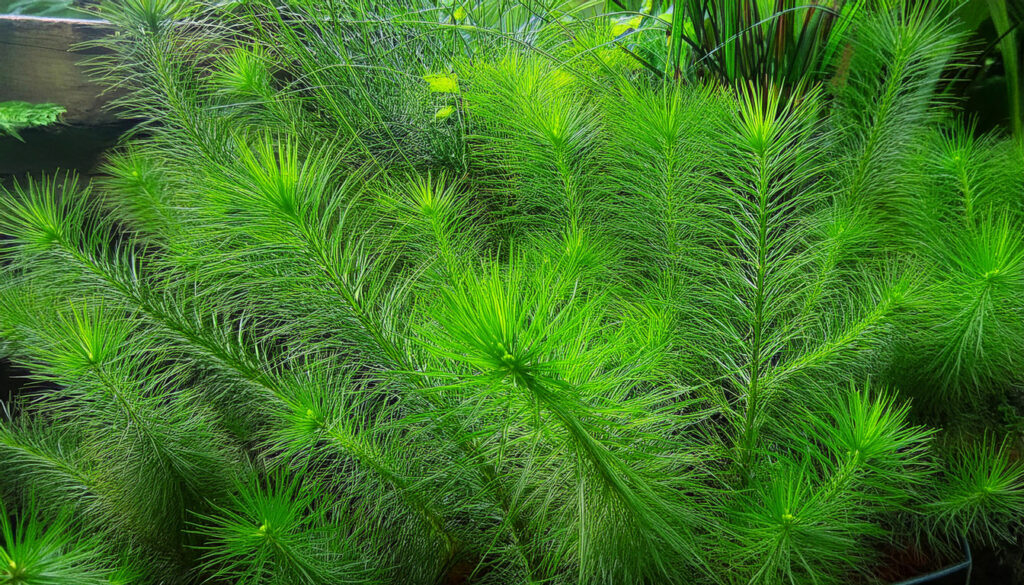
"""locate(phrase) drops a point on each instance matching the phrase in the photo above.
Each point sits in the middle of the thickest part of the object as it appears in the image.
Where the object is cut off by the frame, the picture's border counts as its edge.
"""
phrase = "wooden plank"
(37, 65)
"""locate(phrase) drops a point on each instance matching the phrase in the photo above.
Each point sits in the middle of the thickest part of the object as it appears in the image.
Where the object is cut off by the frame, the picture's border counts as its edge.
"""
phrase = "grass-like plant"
(412, 293)
(786, 42)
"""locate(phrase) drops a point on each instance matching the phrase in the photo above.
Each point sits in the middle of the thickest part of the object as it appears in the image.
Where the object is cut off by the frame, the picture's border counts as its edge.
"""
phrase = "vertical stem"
(749, 436)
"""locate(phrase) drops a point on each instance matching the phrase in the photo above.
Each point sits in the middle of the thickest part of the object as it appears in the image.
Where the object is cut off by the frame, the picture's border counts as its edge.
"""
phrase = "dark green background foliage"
(51, 8)
(488, 292)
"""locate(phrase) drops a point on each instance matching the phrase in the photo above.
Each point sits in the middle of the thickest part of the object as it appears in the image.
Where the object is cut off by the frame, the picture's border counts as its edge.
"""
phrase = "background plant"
(413, 293)
(17, 116)
(784, 42)
(997, 60)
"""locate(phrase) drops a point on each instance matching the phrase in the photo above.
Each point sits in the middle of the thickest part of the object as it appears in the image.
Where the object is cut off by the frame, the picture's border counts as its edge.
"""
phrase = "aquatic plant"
(413, 293)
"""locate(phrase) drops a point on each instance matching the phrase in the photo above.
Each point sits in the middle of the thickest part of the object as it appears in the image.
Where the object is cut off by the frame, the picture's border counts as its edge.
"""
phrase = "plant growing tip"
(444, 113)
(590, 296)
(442, 82)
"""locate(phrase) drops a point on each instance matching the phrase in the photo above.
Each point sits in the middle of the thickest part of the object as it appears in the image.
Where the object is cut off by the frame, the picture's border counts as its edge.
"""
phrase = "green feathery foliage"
(16, 116)
(428, 293)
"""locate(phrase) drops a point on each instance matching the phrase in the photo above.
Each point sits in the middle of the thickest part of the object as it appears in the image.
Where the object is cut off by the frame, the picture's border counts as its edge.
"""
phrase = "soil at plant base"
(909, 561)
(1003, 565)
(466, 570)
(460, 573)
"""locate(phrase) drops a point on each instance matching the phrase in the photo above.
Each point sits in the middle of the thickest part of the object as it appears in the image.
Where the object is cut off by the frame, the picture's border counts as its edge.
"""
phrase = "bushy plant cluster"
(412, 293)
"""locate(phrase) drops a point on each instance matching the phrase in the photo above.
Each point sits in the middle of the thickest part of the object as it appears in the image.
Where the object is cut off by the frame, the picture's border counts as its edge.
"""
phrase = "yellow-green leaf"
(442, 82)
(444, 113)
(624, 24)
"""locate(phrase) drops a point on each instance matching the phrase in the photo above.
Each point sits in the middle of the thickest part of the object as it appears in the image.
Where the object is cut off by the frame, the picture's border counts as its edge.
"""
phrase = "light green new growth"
(396, 292)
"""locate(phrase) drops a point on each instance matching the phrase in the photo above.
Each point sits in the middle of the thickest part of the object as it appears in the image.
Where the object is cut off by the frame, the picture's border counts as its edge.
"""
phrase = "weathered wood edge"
(38, 65)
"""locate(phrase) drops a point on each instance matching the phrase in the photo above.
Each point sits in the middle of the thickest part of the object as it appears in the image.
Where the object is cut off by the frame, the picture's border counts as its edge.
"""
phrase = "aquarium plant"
(16, 116)
(465, 293)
